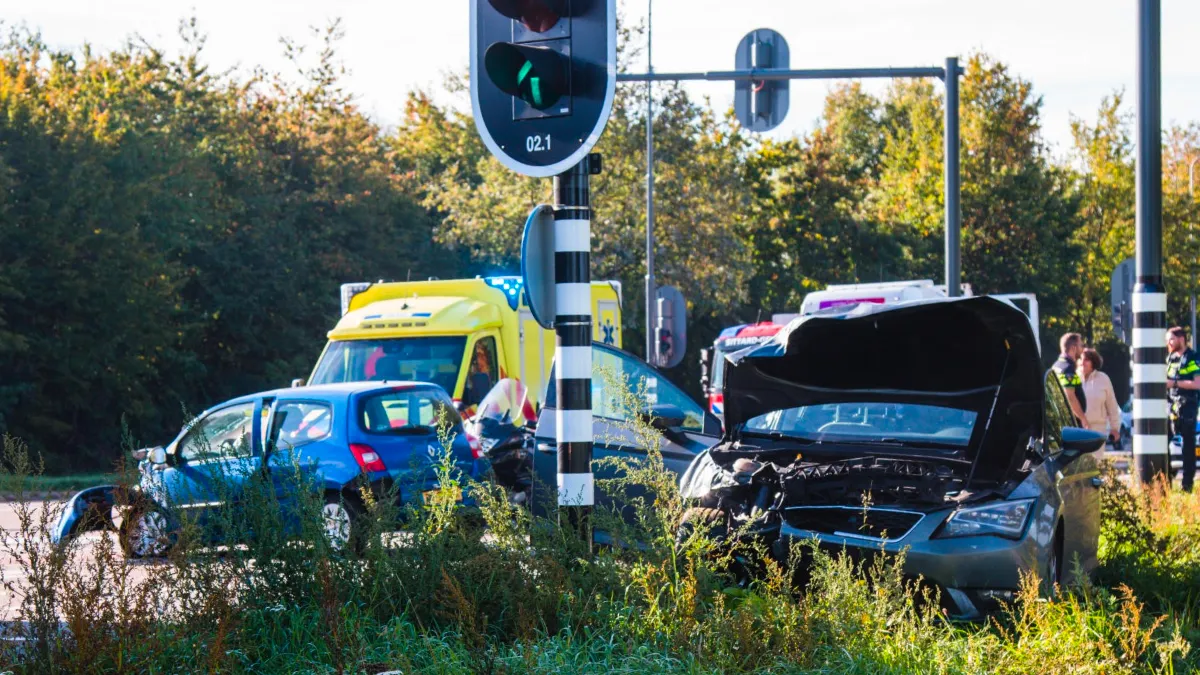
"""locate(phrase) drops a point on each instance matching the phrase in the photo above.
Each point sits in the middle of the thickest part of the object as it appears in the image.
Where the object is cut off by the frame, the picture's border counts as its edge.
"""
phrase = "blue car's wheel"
(146, 533)
(339, 517)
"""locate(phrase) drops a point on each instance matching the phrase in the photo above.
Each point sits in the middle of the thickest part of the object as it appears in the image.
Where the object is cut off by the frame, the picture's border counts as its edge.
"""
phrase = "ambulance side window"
(483, 371)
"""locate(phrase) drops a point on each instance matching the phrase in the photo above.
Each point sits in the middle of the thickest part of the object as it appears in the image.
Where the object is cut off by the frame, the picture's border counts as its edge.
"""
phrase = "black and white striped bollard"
(1149, 379)
(573, 355)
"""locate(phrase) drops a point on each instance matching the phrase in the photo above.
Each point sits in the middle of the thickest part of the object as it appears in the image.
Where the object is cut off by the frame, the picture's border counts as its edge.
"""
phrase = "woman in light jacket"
(1103, 413)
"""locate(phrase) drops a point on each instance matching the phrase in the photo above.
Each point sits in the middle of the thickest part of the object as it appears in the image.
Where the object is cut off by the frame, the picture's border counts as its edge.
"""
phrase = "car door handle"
(547, 447)
(1097, 481)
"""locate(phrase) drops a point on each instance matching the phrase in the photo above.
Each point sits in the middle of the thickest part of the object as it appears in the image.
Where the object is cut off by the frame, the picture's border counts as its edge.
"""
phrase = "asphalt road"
(14, 573)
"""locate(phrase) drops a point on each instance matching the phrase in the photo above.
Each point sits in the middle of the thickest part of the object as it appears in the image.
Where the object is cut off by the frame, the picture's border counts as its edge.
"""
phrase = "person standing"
(1103, 414)
(1070, 345)
(1184, 393)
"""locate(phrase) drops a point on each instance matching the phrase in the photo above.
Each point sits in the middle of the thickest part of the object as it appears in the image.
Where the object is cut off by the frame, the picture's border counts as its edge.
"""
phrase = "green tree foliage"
(172, 234)
(701, 199)
(168, 235)
(1018, 209)
(1104, 154)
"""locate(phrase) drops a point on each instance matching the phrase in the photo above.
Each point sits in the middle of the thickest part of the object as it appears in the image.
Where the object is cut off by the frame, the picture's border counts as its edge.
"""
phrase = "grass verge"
(527, 599)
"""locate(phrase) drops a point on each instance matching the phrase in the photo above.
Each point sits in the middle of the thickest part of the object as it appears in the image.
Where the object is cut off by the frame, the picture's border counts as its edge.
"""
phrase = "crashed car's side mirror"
(664, 417)
(1079, 441)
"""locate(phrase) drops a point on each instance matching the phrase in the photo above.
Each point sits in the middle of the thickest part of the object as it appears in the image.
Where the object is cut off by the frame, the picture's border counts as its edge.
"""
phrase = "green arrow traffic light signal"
(537, 75)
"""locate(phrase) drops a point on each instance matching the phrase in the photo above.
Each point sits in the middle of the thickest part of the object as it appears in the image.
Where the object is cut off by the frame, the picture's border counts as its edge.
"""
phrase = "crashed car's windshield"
(902, 423)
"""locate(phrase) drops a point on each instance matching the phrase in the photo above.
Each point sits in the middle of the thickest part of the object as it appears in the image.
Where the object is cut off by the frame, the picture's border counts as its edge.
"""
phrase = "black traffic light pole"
(543, 80)
(573, 330)
(953, 187)
(1149, 295)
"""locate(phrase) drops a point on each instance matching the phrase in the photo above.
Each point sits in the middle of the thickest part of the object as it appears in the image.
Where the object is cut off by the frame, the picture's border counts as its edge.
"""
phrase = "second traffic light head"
(536, 75)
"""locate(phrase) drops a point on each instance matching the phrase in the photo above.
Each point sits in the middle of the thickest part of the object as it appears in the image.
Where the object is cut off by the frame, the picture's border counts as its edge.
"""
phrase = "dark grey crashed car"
(928, 427)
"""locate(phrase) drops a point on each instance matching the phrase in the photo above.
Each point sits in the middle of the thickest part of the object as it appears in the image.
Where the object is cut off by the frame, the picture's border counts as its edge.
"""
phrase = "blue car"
(331, 434)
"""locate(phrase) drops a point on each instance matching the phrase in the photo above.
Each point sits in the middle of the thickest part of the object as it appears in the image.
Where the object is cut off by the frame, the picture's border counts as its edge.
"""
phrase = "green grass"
(71, 483)
(530, 601)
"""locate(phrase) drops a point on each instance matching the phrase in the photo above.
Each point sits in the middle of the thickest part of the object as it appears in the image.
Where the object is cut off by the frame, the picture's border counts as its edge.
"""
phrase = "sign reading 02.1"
(543, 76)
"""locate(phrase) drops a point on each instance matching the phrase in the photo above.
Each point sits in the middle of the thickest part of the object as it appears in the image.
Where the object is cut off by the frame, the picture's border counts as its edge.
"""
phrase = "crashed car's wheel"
(713, 522)
(1054, 564)
(146, 533)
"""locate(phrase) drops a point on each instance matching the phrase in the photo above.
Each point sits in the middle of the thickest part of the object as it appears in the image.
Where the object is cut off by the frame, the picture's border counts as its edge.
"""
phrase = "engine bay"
(880, 480)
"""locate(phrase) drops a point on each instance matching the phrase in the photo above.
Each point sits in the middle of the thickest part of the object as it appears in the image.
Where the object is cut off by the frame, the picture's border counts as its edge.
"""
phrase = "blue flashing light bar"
(510, 286)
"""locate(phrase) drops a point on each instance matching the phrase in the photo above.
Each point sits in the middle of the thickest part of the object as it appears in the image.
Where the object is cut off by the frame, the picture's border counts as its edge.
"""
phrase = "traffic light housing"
(761, 105)
(542, 80)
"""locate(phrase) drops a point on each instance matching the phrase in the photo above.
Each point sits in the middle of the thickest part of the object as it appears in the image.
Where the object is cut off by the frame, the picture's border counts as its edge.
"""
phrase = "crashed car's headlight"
(1003, 519)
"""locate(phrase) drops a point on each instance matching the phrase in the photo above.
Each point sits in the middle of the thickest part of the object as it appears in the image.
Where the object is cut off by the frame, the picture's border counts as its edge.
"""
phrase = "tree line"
(172, 236)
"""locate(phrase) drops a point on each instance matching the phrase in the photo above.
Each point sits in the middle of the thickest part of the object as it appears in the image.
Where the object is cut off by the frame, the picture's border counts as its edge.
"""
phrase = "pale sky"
(1074, 51)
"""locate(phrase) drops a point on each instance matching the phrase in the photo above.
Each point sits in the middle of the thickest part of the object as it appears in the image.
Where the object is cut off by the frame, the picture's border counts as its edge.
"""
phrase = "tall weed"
(255, 586)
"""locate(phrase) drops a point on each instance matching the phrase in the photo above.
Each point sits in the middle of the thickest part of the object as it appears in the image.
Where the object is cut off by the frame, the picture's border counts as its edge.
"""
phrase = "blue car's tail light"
(368, 460)
(1002, 519)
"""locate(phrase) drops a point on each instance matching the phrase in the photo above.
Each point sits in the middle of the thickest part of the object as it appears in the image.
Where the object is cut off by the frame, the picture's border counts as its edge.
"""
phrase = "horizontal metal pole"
(783, 74)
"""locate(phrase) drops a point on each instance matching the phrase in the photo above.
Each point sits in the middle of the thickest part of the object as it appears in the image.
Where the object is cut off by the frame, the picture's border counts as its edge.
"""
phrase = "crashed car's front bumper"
(972, 574)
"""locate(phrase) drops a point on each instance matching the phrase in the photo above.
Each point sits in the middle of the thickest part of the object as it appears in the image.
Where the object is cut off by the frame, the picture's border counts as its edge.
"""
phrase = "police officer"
(1070, 346)
(1184, 393)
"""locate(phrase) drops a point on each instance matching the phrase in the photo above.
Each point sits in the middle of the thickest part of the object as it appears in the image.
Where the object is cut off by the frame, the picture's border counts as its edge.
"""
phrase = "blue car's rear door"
(401, 426)
(305, 439)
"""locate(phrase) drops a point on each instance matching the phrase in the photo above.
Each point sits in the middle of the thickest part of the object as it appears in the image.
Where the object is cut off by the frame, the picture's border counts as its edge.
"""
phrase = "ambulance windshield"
(420, 359)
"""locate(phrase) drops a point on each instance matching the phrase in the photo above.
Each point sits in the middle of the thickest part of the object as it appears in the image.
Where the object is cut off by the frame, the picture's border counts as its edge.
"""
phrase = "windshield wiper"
(910, 443)
(408, 430)
(780, 436)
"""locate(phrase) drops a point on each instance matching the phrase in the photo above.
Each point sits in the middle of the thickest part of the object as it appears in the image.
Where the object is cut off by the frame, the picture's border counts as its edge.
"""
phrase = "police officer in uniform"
(1070, 346)
(1184, 393)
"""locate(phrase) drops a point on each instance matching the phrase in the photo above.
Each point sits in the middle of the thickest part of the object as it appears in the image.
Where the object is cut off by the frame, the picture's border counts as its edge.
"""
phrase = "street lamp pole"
(1192, 239)
(651, 289)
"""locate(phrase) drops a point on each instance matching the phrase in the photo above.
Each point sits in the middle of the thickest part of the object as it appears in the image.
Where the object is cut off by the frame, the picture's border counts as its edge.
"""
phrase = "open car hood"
(974, 353)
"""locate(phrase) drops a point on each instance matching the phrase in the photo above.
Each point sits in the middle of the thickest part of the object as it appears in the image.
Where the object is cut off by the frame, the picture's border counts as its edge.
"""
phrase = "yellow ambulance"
(462, 334)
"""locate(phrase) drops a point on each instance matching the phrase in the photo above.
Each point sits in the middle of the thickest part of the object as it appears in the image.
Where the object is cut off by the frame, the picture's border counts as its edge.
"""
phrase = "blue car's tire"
(341, 522)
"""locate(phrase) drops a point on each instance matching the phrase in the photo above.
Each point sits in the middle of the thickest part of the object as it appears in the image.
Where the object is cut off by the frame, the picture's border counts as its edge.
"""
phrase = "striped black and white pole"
(1149, 378)
(1149, 295)
(573, 328)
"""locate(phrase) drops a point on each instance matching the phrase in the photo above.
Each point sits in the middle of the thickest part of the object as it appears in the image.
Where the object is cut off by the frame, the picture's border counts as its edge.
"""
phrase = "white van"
(885, 293)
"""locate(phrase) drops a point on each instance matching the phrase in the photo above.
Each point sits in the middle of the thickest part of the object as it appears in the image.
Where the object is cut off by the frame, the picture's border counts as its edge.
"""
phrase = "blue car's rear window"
(406, 409)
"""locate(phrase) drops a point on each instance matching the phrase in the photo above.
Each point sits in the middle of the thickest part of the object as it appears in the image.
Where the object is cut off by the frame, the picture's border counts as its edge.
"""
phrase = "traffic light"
(761, 105)
(539, 76)
(542, 80)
